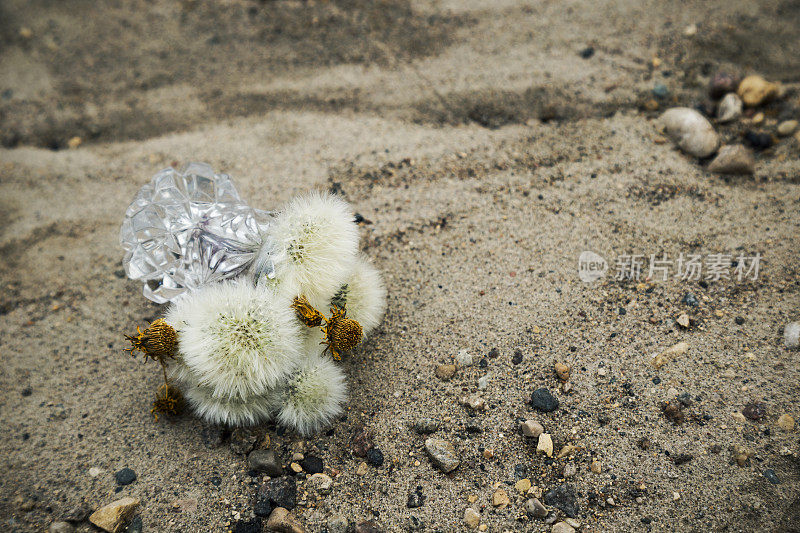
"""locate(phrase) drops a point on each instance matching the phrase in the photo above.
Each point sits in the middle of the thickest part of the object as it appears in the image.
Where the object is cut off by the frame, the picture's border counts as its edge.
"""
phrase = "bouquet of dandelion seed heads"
(256, 334)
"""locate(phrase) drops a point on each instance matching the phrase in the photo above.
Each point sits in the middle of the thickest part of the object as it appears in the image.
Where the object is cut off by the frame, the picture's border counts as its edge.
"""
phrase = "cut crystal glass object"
(189, 228)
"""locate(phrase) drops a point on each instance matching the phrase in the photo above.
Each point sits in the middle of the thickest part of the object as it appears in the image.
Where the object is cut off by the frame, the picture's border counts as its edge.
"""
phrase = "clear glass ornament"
(188, 228)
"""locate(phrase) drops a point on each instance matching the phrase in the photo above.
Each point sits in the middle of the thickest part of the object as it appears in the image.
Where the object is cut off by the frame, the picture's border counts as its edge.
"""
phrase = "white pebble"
(483, 382)
(690, 131)
(791, 335)
(464, 358)
(730, 108)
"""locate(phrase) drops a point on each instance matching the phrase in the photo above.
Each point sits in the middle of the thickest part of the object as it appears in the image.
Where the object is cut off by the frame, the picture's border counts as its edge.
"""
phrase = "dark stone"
(660, 91)
(494, 353)
(415, 499)
(739, 320)
(673, 411)
(483, 363)
(563, 497)
(248, 526)
(362, 441)
(126, 476)
(623, 311)
(135, 525)
(517, 359)
(682, 458)
(280, 492)
(27, 391)
(243, 440)
(721, 84)
(266, 462)
(262, 506)
(542, 400)
(690, 299)
(520, 472)
(757, 140)
(754, 411)
(415, 524)
(212, 436)
(375, 457)
(587, 52)
(425, 426)
(771, 476)
(215, 480)
(368, 527)
(312, 464)
(656, 380)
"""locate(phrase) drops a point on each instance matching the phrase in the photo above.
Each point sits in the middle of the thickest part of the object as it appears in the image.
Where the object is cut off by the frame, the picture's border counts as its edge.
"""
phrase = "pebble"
(569, 470)
(523, 485)
(566, 450)
(596, 467)
(500, 499)
(362, 469)
(755, 90)
(471, 518)
(282, 521)
(368, 526)
(112, 517)
(587, 52)
(535, 508)
(722, 83)
(733, 159)
(562, 527)
(60, 527)
(445, 372)
(691, 131)
(738, 417)
(415, 499)
(375, 457)
(660, 91)
(476, 403)
(771, 476)
(562, 371)
(543, 400)
(265, 462)
(786, 422)
(669, 354)
(254, 525)
(531, 428)
(564, 498)
(730, 108)
(791, 335)
(483, 382)
(321, 483)
(690, 299)
(758, 140)
(338, 524)
(295, 467)
(94, 471)
(683, 320)
(464, 358)
(443, 454)
(243, 440)
(517, 358)
(126, 476)
(279, 492)
(786, 128)
(545, 444)
(426, 426)
(754, 411)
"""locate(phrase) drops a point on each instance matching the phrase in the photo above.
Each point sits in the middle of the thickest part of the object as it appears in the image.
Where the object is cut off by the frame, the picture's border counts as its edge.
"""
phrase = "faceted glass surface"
(188, 228)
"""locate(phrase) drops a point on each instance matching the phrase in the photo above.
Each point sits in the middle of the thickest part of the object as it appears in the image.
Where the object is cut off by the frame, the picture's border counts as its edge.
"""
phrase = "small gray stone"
(321, 483)
(791, 335)
(535, 508)
(265, 462)
(483, 382)
(443, 454)
(425, 426)
(733, 159)
(690, 131)
(562, 527)
(570, 470)
(532, 428)
(337, 524)
(464, 358)
(730, 108)
(60, 527)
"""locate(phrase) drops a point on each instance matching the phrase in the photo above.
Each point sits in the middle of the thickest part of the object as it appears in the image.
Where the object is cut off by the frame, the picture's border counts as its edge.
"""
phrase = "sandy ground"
(487, 154)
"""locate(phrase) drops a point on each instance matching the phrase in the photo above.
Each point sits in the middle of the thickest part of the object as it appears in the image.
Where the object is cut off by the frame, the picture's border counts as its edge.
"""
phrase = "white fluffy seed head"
(313, 397)
(364, 295)
(230, 411)
(313, 243)
(235, 339)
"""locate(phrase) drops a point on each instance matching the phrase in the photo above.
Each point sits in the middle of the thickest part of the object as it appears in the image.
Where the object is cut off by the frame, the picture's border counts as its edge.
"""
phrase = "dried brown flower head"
(342, 334)
(306, 313)
(169, 401)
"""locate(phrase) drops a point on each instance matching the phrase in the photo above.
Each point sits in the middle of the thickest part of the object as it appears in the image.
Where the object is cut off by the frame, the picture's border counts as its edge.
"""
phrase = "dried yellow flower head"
(159, 341)
(306, 313)
(342, 334)
(169, 401)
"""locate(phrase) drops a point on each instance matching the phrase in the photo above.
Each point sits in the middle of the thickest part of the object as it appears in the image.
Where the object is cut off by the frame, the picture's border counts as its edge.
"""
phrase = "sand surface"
(487, 154)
